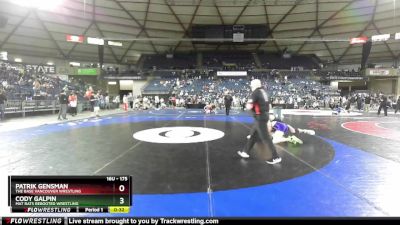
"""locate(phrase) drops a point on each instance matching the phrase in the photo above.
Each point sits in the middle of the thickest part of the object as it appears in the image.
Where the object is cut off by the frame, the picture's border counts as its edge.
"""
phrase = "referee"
(258, 103)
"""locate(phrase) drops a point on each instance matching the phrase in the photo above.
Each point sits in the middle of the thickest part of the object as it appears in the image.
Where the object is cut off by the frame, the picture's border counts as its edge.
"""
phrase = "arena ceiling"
(42, 33)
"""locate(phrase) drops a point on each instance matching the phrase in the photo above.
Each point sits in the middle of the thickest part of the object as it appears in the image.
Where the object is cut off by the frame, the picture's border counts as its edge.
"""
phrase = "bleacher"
(240, 60)
(178, 61)
(295, 74)
(276, 61)
(23, 97)
(297, 85)
(167, 73)
(337, 73)
(159, 86)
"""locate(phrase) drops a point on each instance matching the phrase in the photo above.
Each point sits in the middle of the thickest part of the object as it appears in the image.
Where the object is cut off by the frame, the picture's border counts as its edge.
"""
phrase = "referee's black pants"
(227, 109)
(384, 107)
(259, 133)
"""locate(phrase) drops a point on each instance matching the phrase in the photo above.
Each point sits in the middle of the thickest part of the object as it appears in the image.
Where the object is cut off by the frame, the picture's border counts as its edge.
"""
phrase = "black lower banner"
(183, 221)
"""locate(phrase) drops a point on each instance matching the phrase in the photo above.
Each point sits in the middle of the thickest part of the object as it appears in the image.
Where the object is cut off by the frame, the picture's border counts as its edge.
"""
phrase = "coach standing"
(258, 103)
(397, 105)
(63, 105)
(367, 103)
(383, 105)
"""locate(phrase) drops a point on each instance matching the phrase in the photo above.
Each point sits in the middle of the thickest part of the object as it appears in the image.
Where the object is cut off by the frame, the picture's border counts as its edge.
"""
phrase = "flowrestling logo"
(178, 135)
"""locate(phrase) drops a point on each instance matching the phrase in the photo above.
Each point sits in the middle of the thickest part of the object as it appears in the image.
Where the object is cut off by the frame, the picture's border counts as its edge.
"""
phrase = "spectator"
(96, 105)
(73, 102)
(367, 103)
(130, 100)
(89, 96)
(125, 103)
(383, 104)
(397, 105)
(157, 101)
(3, 100)
(36, 87)
(107, 101)
(117, 101)
(63, 99)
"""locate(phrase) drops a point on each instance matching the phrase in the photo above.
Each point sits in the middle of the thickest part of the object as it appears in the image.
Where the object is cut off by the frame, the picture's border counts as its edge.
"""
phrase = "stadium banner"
(358, 40)
(380, 37)
(87, 71)
(346, 78)
(42, 69)
(231, 73)
(382, 72)
(75, 38)
(125, 78)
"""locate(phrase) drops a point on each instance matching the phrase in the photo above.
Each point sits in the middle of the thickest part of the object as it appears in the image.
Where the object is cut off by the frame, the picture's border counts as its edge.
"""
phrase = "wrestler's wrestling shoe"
(243, 154)
(295, 140)
(309, 132)
(274, 161)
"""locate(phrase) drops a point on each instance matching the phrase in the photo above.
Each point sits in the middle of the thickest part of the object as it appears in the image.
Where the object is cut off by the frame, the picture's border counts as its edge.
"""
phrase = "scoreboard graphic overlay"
(70, 194)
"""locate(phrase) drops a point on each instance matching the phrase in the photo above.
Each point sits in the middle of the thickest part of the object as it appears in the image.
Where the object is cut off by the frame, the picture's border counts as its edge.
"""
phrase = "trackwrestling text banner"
(105, 221)
(178, 220)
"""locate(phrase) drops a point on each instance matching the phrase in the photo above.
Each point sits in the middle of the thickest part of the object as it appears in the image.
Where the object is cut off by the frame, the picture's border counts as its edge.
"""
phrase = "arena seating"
(19, 84)
(227, 61)
(179, 61)
(296, 87)
(30, 92)
(159, 86)
(276, 61)
(337, 73)
(237, 60)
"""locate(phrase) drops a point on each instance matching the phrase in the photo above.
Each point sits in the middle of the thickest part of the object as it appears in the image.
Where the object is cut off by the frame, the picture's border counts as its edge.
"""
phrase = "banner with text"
(42, 69)
(382, 72)
(231, 73)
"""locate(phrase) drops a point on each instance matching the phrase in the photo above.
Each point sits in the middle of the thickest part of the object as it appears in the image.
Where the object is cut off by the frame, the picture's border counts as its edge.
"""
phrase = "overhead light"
(95, 41)
(397, 36)
(4, 55)
(18, 60)
(381, 37)
(39, 4)
(112, 82)
(114, 43)
(74, 64)
(75, 38)
(50, 63)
